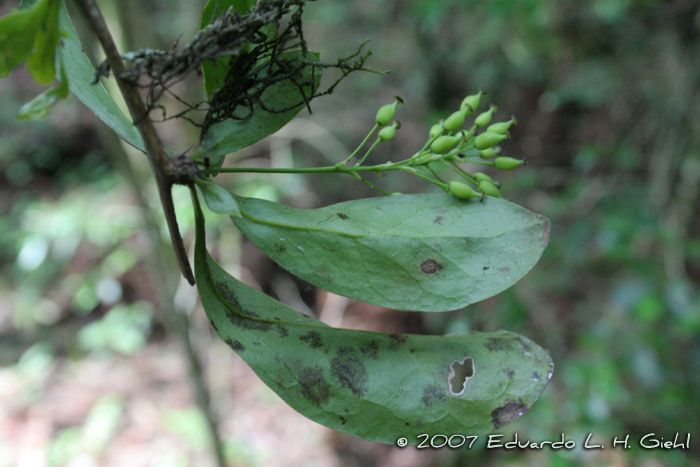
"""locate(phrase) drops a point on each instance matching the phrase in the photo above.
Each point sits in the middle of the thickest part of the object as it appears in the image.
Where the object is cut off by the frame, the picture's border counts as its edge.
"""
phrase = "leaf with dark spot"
(235, 345)
(350, 370)
(430, 267)
(496, 344)
(314, 386)
(372, 385)
(313, 338)
(433, 395)
(419, 252)
(398, 338)
(371, 350)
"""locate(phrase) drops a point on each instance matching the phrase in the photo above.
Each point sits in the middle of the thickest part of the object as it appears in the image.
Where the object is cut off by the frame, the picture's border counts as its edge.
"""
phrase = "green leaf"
(18, 30)
(38, 107)
(373, 385)
(41, 62)
(232, 135)
(218, 199)
(80, 74)
(215, 72)
(429, 252)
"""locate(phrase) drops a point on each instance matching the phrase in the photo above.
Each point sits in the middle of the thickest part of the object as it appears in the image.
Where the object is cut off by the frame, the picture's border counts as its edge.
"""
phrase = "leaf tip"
(510, 412)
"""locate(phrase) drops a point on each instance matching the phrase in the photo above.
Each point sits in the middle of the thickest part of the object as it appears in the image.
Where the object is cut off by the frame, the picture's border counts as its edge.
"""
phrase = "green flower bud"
(507, 163)
(462, 190)
(487, 140)
(437, 129)
(386, 113)
(456, 120)
(387, 133)
(471, 102)
(485, 117)
(489, 189)
(444, 143)
(480, 177)
(490, 152)
(502, 127)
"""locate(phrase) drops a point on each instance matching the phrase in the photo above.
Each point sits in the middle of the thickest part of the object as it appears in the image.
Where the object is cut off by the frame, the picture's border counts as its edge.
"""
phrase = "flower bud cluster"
(449, 143)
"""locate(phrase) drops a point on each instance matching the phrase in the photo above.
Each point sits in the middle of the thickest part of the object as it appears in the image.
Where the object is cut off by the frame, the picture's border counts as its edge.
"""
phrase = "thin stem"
(463, 173)
(177, 324)
(367, 153)
(374, 186)
(161, 164)
(201, 390)
(434, 173)
(374, 128)
(306, 170)
(478, 161)
(417, 172)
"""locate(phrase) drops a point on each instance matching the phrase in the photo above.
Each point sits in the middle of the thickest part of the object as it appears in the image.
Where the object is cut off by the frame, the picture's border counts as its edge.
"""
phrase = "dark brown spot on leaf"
(235, 345)
(313, 385)
(370, 350)
(343, 420)
(280, 248)
(499, 344)
(438, 220)
(313, 338)
(525, 345)
(502, 416)
(486, 268)
(343, 216)
(284, 332)
(430, 267)
(433, 395)
(237, 315)
(398, 338)
(350, 370)
(510, 374)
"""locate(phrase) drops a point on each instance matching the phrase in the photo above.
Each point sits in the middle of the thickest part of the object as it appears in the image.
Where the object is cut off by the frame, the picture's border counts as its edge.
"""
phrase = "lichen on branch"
(252, 46)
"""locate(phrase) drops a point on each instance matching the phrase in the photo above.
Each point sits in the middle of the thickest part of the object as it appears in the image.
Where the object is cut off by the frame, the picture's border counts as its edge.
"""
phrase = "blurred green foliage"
(606, 94)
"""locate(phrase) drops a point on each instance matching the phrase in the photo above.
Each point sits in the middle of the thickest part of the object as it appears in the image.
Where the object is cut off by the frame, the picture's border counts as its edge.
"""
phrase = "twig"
(178, 323)
(162, 165)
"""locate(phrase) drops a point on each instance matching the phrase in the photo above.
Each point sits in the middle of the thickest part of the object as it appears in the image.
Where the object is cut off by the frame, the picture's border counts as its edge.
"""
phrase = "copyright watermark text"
(498, 441)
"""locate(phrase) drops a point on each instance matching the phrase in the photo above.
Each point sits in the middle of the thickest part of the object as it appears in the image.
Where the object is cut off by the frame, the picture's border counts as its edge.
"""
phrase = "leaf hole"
(459, 375)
